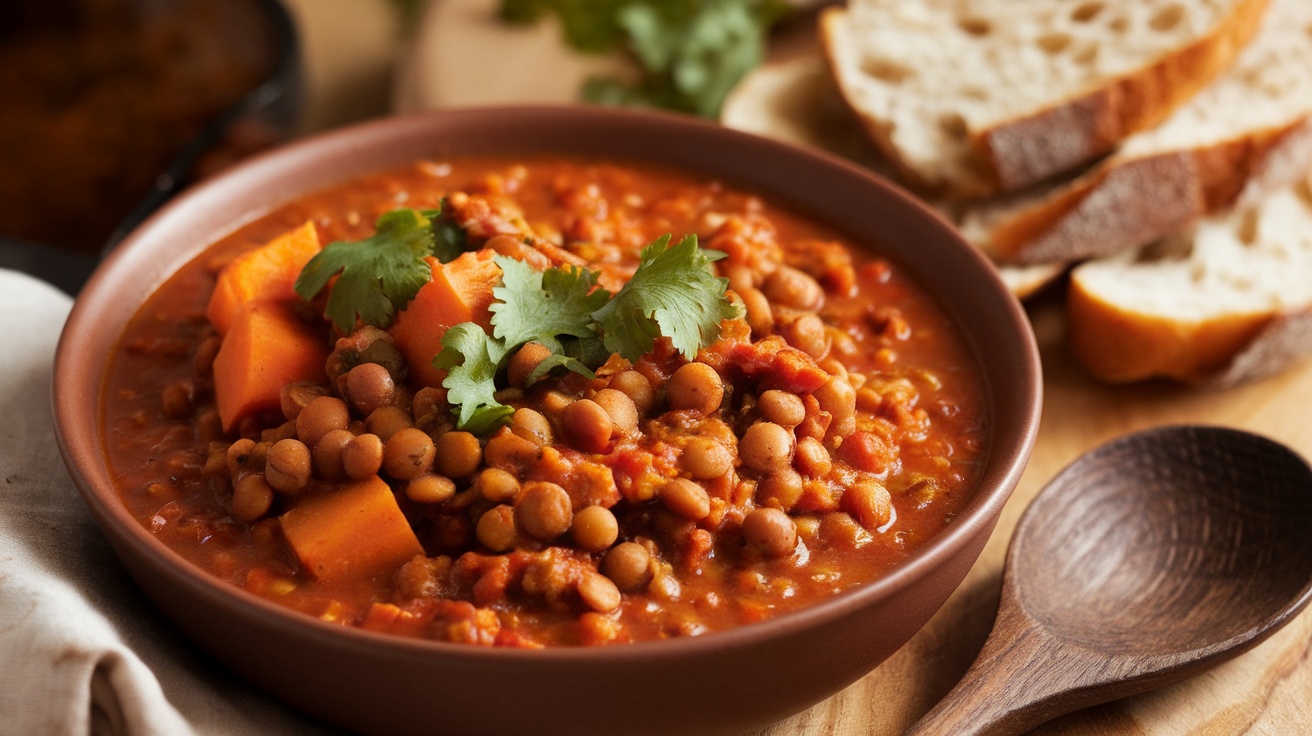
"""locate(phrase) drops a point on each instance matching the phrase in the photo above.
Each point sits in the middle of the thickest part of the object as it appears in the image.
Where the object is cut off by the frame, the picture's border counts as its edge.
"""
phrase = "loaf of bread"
(1247, 133)
(796, 101)
(1227, 302)
(970, 98)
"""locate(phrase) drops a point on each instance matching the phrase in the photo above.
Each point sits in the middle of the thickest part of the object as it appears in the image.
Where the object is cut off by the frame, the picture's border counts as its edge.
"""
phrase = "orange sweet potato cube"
(352, 532)
(265, 348)
(265, 274)
(461, 291)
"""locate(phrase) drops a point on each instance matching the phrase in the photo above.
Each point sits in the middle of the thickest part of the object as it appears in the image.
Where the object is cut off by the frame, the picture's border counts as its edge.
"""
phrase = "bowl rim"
(82, 447)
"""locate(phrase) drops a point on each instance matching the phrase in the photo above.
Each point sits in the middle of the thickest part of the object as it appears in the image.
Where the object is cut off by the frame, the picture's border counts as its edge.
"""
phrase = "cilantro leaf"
(379, 274)
(690, 52)
(673, 294)
(539, 306)
(449, 239)
(559, 360)
(471, 358)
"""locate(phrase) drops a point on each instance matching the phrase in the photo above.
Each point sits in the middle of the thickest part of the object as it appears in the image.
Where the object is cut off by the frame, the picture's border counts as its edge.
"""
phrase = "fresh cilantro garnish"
(449, 239)
(471, 358)
(539, 306)
(382, 273)
(672, 294)
(691, 52)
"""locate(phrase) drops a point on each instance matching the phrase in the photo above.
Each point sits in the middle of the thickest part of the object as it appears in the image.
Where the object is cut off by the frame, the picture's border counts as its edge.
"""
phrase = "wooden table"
(463, 57)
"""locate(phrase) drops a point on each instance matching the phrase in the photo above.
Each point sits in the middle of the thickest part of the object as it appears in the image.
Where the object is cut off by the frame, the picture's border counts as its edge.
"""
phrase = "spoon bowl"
(1143, 562)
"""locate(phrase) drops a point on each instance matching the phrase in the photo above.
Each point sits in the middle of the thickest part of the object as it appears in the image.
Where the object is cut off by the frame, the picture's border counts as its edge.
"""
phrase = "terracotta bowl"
(719, 683)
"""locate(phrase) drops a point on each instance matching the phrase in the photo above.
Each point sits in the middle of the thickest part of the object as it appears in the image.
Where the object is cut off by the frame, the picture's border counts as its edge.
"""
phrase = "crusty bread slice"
(1247, 133)
(796, 101)
(1230, 301)
(970, 98)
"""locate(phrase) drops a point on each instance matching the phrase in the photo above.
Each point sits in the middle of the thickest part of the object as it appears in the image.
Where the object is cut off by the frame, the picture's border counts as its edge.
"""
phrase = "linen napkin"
(81, 650)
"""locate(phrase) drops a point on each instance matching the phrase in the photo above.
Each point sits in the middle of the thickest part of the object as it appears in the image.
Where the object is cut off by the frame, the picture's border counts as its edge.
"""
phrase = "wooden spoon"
(1144, 562)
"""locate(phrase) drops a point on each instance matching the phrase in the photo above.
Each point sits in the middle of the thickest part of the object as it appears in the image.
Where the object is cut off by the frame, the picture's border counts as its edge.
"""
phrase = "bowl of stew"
(546, 420)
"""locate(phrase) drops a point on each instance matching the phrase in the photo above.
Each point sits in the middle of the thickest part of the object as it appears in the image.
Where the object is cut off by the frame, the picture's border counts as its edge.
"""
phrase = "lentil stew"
(835, 422)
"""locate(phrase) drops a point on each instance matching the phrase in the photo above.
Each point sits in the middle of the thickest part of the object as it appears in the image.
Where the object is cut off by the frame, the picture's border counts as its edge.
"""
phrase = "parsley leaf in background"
(379, 275)
(675, 294)
(691, 52)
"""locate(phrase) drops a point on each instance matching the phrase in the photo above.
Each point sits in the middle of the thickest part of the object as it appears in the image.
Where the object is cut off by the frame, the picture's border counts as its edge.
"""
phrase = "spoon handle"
(1021, 678)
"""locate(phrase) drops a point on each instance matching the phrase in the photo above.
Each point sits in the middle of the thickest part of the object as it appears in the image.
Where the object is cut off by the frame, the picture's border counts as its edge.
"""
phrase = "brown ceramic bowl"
(719, 683)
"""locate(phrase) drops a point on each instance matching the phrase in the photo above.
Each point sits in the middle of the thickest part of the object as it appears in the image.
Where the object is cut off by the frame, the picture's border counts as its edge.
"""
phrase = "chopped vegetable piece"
(460, 291)
(265, 348)
(378, 275)
(351, 532)
(673, 294)
(262, 275)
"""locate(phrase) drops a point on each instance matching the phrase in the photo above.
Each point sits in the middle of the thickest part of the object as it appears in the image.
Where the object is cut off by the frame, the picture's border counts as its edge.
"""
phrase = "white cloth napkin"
(81, 650)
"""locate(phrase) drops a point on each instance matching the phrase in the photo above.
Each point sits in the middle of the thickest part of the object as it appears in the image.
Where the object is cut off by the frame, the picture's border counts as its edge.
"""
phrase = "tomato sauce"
(846, 426)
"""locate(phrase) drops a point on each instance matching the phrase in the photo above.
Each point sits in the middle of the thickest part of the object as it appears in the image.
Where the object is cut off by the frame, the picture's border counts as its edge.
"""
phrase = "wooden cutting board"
(461, 56)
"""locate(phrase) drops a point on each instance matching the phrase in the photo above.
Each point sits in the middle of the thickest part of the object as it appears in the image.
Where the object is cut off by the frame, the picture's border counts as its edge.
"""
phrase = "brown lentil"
(525, 360)
(770, 531)
(543, 510)
(636, 386)
(695, 386)
(362, 457)
(686, 498)
(496, 485)
(628, 565)
(408, 454)
(287, 467)
(586, 426)
(595, 528)
(319, 417)
(766, 447)
(457, 454)
(496, 528)
(370, 386)
(430, 488)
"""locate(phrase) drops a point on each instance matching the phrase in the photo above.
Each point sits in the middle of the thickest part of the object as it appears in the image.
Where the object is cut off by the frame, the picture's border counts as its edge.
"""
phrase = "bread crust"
(1119, 346)
(1130, 202)
(1107, 210)
(1070, 133)
(1030, 149)
(1282, 342)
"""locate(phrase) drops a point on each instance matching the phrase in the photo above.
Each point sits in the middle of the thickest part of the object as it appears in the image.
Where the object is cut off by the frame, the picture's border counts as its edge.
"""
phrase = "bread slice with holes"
(796, 101)
(970, 98)
(1245, 134)
(1228, 302)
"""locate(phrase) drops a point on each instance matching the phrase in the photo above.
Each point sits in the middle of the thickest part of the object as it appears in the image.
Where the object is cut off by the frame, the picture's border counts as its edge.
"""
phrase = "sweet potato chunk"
(353, 532)
(265, 274)
(460, 291)
(265, 348)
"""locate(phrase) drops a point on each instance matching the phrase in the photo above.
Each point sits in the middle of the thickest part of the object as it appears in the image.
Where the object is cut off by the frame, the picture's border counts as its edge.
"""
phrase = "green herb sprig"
(379, 275)
(691, 52)
(672, 294)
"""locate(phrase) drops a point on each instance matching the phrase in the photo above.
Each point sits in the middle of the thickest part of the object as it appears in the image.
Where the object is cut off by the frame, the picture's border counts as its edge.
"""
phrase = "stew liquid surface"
(829, 431)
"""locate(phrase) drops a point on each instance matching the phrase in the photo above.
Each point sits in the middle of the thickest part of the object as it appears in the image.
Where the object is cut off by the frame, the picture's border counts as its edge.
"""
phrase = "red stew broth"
(920, 410)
